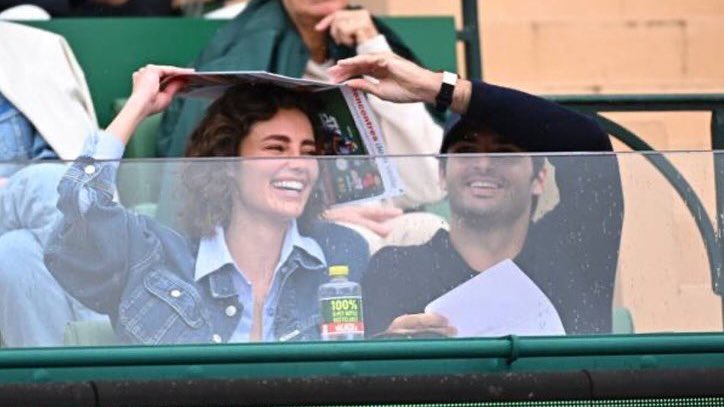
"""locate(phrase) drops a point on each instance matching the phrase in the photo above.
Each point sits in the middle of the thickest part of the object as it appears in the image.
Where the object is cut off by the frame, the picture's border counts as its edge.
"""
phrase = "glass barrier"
(241, 250)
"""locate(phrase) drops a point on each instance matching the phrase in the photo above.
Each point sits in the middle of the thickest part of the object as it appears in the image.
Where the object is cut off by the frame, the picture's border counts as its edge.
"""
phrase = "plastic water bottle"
(340, 303)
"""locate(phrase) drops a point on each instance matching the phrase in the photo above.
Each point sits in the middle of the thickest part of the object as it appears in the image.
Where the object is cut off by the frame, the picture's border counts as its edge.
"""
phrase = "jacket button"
(89, 169)
(216, 338)
(175, 293)
(230, 311)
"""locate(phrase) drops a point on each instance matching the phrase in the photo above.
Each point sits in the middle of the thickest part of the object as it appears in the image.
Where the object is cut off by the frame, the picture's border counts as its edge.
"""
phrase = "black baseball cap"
(453, 132)
(458, 128)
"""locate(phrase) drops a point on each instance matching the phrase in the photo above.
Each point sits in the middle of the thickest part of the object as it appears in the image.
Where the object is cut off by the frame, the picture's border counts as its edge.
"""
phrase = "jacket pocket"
(164, 309)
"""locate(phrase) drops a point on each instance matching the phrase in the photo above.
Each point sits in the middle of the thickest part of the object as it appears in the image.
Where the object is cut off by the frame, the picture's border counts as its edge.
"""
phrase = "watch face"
(449, 78)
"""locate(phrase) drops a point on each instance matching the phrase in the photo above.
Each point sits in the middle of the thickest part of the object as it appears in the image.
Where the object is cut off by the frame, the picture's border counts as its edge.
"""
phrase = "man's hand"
(412, 324)
(349, 27)
(393, 78)
(373, 218)
(396, 79)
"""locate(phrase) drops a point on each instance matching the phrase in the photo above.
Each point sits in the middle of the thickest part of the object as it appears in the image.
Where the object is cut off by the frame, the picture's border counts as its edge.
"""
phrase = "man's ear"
(539, 181)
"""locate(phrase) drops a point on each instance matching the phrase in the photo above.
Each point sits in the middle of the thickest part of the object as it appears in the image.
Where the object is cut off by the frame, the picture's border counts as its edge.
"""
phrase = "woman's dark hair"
(210, 188)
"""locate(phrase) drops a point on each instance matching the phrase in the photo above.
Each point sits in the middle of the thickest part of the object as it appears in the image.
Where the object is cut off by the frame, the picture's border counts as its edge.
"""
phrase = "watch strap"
(445, 95)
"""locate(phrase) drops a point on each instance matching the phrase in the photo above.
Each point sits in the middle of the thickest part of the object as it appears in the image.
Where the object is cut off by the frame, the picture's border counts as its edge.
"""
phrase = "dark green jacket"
(260, 38)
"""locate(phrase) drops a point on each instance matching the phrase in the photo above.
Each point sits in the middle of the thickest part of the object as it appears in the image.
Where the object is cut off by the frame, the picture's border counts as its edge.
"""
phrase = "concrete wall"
(629, 46)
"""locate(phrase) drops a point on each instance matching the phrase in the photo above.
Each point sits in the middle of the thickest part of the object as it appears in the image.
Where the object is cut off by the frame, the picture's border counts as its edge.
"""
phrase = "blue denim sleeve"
(101, 146)
(96, 242)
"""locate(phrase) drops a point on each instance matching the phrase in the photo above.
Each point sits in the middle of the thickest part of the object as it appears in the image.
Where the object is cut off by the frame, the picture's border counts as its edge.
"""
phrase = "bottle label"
(342, 316)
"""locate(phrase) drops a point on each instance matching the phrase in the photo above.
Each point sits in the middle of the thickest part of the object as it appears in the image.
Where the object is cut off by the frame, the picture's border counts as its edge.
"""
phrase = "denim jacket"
(141, 273)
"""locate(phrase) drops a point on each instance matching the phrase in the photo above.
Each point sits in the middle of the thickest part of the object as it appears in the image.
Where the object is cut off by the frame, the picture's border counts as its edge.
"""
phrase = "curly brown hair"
(209, 188)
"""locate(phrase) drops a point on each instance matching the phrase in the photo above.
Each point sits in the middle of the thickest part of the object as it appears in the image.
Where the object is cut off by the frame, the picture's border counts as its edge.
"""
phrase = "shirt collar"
(214, 253)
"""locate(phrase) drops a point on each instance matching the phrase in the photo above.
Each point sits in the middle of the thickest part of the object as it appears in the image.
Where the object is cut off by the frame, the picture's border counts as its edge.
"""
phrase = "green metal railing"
(470, 36)
(364, 358)
(372, 372)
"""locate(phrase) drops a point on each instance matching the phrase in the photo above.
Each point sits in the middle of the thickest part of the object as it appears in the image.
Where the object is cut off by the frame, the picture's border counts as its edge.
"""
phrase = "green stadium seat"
(89, 333)
(622, 321)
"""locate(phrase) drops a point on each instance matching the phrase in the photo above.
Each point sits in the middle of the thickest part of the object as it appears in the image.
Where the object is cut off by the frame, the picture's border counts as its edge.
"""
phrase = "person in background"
(570, 253)
(97, 8)
(41, 127)
(227, 10)
(301, 38)
(44, 114)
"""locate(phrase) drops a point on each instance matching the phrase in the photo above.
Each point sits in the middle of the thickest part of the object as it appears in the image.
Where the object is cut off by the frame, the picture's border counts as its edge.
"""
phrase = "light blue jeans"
(19, 141)
(34, 308)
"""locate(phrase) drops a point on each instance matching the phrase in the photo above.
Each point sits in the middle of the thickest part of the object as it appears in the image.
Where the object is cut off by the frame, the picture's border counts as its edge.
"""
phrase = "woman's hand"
(412, 324)
(152, 92)
(349, 27)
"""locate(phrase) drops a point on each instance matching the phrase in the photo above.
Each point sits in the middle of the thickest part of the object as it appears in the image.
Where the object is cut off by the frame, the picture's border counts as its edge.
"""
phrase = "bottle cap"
(336, 271)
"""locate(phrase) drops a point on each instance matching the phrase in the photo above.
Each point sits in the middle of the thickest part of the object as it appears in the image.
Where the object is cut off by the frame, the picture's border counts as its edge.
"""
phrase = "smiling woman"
(260, 121)
(243, 269)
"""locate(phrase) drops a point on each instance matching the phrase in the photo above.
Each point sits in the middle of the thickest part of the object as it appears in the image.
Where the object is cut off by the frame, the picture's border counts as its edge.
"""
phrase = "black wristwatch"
(445, 96)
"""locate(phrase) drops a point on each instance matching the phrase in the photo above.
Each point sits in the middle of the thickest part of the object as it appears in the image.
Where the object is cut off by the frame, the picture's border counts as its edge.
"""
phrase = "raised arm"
(97, 243)
(148, 97)
(545, 125)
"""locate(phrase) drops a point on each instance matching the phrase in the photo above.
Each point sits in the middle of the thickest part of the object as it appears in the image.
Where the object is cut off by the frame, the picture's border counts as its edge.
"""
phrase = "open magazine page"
(349, 125)
(351, 129)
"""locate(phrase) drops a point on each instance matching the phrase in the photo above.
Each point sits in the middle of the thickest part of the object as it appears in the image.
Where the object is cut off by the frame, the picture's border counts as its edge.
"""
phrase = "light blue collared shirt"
(214, 254)
(103, 145)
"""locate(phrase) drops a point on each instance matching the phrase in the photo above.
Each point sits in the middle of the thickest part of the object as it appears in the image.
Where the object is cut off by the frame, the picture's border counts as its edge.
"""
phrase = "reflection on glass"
(522, 244)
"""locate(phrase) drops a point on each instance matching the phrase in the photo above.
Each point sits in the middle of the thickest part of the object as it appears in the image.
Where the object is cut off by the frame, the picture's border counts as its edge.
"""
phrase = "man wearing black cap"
(570, 253)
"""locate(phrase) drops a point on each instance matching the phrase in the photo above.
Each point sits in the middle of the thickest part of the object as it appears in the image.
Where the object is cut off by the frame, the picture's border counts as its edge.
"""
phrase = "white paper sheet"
(500, 301)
